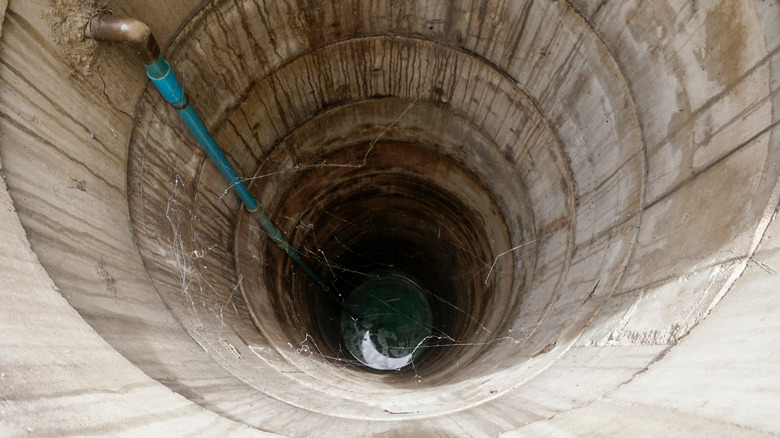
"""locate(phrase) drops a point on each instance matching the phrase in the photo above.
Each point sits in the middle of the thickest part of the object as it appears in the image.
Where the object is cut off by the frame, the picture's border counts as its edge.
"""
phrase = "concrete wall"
(619, 159)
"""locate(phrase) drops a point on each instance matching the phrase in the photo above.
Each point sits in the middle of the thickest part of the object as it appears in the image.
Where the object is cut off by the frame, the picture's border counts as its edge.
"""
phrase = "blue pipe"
(169, 86)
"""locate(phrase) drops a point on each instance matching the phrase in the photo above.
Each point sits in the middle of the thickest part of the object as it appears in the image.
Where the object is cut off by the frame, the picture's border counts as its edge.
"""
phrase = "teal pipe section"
(168, 85)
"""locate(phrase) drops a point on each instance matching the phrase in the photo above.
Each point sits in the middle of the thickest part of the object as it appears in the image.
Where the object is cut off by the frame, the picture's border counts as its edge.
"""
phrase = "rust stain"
(556, 225)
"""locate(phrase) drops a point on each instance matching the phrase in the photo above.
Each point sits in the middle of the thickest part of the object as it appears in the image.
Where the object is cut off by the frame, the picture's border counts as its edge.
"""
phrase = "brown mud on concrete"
(66, 19)
(724, 57)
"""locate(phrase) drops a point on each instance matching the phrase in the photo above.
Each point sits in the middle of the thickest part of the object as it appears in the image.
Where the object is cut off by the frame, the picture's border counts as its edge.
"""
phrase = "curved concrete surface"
(587, 192)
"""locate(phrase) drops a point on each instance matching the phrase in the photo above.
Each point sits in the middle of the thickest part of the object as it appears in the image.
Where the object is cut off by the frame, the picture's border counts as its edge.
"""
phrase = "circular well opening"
(408, 219)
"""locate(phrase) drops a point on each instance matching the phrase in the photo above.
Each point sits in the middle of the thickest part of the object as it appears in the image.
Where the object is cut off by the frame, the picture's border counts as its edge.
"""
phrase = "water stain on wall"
(723, 58)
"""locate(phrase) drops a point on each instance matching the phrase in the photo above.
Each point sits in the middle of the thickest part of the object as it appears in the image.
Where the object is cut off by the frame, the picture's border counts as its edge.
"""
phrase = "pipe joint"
(130, 31)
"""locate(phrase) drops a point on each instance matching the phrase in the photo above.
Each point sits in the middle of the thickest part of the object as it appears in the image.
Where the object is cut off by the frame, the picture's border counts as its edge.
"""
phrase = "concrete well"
(586, 192)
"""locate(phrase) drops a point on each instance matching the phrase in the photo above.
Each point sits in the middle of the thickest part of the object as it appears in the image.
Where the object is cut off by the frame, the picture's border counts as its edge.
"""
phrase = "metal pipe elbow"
(125, 30)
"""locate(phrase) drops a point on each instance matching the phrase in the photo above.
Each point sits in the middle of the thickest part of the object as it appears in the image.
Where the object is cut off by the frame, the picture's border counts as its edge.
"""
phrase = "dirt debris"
(66, 19)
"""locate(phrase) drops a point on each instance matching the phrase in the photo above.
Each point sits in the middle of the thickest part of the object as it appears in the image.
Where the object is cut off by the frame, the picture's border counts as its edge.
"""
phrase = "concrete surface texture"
(586, 190)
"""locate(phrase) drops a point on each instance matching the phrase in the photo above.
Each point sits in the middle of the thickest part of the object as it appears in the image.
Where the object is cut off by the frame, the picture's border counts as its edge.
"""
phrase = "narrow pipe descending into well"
(139, 36)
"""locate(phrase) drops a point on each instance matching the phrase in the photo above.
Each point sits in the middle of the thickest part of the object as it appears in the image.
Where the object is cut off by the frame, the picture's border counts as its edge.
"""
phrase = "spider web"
(192, 248)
